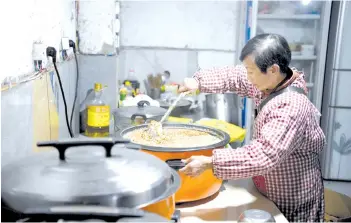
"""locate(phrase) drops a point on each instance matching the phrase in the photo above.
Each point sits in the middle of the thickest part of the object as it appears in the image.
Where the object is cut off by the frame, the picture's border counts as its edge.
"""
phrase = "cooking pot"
(79, 172)
(135, 115)
(224, 107)
(191, 189)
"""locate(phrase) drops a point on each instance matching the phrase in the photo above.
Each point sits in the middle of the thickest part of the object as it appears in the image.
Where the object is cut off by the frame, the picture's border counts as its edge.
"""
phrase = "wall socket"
(39, 56)
(65, 43)
(39, 51)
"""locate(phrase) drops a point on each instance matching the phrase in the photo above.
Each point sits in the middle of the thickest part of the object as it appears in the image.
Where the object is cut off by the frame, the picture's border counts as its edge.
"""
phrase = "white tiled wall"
(178, 36)
(29, 21)
(215, 59)
(180, 63)
(181, 24)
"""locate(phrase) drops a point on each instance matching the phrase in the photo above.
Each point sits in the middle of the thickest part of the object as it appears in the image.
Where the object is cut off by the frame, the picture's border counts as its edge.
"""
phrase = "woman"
(282, 157)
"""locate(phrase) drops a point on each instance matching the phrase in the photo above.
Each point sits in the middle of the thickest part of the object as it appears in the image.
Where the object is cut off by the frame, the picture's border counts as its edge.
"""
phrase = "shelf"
(302, 57)
(290, 17)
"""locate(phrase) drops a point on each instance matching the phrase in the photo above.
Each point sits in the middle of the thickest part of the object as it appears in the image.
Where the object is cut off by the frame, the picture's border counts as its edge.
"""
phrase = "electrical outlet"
(65, 43)
(39, 51)
(39, 56)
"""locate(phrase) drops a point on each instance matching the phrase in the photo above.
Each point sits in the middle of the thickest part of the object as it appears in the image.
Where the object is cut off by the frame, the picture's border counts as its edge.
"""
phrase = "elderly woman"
(282, 157)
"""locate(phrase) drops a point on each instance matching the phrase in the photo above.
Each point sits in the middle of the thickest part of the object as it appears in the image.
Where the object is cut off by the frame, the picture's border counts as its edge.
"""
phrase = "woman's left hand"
(196, 165)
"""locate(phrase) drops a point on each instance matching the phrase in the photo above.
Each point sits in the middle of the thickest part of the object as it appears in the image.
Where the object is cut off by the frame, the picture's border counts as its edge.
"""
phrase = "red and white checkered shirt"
(283, 155)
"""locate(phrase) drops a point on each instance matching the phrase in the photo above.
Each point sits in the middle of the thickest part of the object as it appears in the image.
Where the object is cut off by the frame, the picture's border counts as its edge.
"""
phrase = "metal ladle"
(155, 128)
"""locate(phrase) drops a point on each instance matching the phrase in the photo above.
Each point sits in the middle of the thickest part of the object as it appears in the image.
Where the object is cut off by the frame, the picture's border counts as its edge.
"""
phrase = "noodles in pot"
(172, 137)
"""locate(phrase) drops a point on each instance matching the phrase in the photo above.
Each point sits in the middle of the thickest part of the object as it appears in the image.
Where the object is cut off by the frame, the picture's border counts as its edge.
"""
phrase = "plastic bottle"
(130, 90)
(122, 96)
(98, 115)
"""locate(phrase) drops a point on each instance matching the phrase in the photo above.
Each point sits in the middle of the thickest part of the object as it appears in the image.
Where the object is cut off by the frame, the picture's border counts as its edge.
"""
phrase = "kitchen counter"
(227, 205)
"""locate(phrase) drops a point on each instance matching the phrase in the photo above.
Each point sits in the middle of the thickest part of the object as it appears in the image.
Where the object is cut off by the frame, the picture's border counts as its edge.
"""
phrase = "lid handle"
(176, 164)
(143, 103)
(63, 145)
(133, 117)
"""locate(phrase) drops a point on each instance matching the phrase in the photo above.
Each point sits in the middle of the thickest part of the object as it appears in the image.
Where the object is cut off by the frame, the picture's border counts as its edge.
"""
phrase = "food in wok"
(171, 137)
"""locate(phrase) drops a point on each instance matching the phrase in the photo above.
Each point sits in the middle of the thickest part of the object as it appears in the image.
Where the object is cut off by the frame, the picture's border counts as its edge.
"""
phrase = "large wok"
(191, 188)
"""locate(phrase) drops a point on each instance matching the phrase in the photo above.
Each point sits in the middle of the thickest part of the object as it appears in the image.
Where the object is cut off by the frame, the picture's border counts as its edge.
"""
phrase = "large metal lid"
(180, 103)
(112, 176)
(143, 109)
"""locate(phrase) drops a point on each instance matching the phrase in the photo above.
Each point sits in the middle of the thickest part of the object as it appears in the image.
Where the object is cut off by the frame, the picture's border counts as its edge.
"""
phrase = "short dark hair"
(267, 50)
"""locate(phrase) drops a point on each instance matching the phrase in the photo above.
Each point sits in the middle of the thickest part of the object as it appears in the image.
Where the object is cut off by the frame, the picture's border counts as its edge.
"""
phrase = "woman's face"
(262, 81)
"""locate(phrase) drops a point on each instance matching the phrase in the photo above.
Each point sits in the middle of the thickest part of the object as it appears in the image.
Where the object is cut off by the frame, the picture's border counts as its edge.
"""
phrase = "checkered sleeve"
(226, 79)
(280, 135)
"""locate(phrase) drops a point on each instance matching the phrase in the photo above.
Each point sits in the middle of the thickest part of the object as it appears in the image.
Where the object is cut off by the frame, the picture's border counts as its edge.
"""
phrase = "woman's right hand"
(189, 85)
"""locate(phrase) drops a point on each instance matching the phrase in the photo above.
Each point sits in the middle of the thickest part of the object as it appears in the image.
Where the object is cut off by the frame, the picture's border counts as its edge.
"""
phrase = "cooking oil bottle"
(122, 96)
(98, 115)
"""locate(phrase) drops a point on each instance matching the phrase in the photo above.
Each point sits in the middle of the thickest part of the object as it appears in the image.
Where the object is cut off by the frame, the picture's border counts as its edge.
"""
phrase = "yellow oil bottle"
(122, 96)
(98, 115)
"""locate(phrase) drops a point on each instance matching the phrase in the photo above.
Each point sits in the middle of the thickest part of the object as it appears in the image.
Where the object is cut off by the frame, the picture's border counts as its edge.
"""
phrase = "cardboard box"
(337, 206)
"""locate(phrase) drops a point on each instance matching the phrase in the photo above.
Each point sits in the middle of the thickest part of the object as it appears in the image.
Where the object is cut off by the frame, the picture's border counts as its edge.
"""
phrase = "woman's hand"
(190, 84)
(196, 165)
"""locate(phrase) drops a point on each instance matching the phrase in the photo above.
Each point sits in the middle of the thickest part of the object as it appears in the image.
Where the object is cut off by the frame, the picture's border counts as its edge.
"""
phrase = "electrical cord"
(64, 101)
(72, 44)
(51, 51)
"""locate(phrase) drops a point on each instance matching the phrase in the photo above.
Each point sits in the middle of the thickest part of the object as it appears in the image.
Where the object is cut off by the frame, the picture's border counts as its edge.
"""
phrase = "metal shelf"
(290, 17)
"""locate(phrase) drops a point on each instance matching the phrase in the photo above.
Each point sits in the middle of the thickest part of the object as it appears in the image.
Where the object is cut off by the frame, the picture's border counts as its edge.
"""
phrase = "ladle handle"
(170, 109)
(63, 145)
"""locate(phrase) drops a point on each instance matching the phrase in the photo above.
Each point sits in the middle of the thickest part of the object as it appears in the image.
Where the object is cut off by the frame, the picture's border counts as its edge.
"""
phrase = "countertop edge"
(225, 206)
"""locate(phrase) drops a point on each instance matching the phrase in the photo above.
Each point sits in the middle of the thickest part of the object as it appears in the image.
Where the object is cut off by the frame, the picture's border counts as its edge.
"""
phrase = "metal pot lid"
(180, 103)
(143, 109)
(86, 175)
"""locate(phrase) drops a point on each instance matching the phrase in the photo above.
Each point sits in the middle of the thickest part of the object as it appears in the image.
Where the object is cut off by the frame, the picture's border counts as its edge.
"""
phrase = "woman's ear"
(275, 69)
